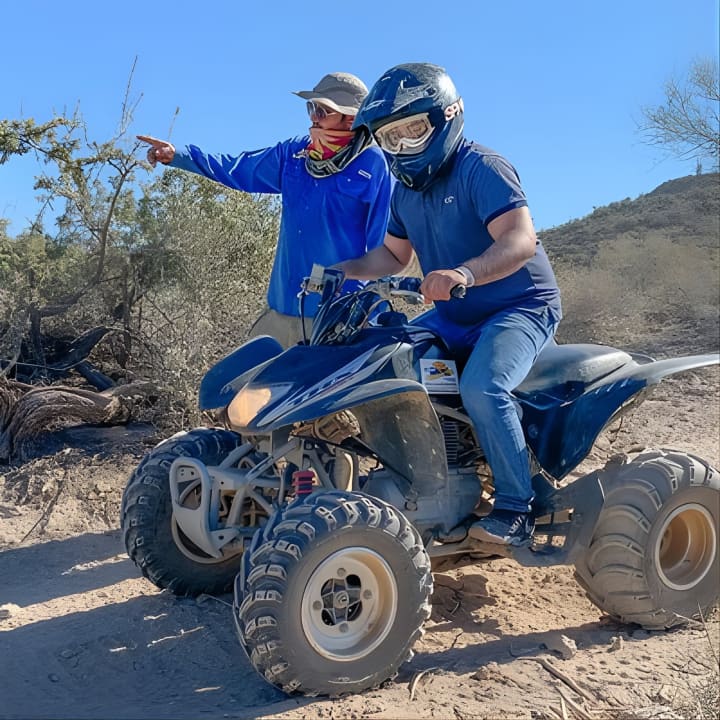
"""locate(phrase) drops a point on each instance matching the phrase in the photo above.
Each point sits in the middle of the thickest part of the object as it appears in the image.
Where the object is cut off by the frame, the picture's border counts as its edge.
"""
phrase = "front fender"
(397, 423)
(226, 377)
(404, 431)
(343, 399)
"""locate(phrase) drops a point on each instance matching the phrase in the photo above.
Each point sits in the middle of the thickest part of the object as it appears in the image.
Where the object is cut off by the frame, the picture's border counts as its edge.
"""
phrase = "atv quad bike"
(331, 566)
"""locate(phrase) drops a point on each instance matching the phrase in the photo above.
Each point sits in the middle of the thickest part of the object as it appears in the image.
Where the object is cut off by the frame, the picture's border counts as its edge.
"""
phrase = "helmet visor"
(407, 136)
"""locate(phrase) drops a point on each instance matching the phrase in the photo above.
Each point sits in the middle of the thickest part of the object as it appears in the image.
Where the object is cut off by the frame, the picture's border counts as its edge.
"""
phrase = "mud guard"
(225, 378)
(653, 372)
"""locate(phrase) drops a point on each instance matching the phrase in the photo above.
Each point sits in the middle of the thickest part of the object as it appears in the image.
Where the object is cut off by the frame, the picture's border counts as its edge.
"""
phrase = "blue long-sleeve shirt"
(324, 220)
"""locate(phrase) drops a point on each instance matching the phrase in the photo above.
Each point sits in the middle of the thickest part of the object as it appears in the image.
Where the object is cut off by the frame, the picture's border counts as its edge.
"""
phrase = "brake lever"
(410, 296)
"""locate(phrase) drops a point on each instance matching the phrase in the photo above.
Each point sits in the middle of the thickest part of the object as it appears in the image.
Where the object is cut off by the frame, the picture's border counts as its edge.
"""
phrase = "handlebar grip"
(458, 292)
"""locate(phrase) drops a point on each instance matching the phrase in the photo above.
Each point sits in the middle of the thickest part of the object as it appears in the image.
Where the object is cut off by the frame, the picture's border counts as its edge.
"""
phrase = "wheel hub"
(686, 547)
(349, 604)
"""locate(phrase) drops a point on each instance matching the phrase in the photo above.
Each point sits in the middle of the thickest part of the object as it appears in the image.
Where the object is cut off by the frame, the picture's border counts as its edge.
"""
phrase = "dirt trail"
(82, 635)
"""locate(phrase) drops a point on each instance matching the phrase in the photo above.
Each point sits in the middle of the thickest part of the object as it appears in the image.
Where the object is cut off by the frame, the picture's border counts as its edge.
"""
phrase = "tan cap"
(339, 91)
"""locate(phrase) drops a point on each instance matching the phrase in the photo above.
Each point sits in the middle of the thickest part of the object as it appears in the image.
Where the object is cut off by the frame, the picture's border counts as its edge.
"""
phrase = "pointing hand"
(159, 150)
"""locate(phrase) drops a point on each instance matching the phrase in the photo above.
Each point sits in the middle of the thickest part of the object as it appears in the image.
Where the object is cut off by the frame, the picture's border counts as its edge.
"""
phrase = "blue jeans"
(500, 353)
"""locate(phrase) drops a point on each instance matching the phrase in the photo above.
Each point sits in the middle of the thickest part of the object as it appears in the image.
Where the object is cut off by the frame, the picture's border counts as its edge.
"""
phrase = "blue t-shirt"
(324, 220)
(447, 225)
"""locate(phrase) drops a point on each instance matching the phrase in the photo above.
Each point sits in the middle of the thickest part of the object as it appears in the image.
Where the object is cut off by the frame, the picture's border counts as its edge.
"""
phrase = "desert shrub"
(214, 249)
(185, 269)
(642, 289)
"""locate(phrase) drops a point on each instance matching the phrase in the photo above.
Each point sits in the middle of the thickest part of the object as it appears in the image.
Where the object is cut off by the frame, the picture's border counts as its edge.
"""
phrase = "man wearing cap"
(335, 188)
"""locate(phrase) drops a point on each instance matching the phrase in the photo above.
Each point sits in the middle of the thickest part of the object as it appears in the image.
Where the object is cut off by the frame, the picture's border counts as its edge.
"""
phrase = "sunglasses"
(319, 112)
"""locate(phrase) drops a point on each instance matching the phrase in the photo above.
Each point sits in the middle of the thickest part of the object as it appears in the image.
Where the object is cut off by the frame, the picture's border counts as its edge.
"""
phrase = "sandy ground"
(82, 635)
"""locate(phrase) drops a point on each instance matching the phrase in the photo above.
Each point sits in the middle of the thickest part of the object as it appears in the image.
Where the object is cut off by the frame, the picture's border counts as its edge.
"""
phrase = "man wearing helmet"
(335, 188)
(461, 207)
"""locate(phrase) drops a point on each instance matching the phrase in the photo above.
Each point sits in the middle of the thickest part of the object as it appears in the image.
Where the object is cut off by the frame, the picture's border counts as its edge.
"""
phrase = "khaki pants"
(286, 329)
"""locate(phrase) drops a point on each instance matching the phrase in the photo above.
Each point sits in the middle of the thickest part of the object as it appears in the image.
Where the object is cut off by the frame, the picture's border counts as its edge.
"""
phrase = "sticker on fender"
(439, 376)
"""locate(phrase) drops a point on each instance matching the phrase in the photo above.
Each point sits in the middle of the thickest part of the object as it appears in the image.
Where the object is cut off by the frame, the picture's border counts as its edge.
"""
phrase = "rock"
(448, 581)
(491, 670)
(8, 610)
(561, 644)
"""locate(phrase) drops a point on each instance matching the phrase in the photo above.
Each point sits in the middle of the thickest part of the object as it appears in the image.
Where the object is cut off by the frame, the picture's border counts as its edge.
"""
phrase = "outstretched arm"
(159, 150)
(390, 258)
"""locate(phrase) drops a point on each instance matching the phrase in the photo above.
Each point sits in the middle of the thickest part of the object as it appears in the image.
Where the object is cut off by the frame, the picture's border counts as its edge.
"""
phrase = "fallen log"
(25, 419)
(62, 358)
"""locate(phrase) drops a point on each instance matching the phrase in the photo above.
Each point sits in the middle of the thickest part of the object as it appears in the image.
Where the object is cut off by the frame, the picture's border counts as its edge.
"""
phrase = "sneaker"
(504, 527)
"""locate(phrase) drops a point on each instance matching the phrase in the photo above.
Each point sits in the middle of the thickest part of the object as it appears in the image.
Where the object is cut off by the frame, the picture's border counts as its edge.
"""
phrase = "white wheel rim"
(349, 604)
(686, 547)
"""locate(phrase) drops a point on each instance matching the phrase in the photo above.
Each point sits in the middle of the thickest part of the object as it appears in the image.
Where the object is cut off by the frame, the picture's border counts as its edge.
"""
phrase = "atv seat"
(573, 363)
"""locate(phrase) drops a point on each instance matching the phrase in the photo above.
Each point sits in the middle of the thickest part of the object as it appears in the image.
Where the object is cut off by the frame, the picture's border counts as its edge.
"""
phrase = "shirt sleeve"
(379, 210)
(257, 171)
(495, 188)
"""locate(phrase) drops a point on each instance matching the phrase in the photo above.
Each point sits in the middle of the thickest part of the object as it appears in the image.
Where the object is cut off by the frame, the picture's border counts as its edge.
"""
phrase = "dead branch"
(576, 708)
(416, 679)
(561, 676)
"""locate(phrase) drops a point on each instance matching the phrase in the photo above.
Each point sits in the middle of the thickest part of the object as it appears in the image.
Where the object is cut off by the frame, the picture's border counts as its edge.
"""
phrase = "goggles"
(319, 112)
(405, 137)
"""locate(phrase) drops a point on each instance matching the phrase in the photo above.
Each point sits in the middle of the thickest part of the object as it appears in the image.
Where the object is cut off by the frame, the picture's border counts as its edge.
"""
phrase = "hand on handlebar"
(443, 284)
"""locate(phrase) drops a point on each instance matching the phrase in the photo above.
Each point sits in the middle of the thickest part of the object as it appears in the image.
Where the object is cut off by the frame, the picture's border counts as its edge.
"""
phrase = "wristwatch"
(467, 273)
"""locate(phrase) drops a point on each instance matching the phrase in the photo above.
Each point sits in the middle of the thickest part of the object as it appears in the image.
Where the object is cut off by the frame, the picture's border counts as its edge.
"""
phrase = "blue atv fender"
(225, 378)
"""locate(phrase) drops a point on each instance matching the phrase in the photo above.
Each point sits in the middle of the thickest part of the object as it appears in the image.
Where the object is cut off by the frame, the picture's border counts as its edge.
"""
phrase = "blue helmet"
(417, 149)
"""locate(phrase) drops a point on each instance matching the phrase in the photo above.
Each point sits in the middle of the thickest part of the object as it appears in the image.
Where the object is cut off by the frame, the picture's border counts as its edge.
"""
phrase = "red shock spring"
(303, 482)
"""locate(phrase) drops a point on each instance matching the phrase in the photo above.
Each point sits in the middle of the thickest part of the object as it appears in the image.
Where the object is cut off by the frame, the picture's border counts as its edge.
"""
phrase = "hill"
(685, 209)
(643, 273)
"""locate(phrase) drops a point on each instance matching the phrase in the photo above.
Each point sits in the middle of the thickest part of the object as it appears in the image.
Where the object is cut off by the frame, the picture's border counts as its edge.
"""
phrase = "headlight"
(250, 401)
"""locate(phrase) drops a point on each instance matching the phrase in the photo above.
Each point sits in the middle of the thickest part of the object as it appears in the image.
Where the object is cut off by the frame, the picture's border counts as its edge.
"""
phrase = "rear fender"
(561, 430)
(225, 378)
(653, 372)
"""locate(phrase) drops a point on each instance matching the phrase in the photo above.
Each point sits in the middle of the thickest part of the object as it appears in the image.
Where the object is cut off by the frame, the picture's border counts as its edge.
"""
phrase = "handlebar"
(398, 286)
(409, 288)
(327, 281)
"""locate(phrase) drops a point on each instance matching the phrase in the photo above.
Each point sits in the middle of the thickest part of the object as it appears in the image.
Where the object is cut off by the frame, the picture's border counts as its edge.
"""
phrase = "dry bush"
(642, 292)
(180, 341)
(223, 243)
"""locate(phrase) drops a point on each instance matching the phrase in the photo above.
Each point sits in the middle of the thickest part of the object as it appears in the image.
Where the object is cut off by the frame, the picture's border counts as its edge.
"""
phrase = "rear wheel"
(154, 541)
(333, 594)
(653, 558)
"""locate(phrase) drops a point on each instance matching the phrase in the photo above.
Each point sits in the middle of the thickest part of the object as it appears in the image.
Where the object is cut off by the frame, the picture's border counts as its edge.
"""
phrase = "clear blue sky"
(555, 86)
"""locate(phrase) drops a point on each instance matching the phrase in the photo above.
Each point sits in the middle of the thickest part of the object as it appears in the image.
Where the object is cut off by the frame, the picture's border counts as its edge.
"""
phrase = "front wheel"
(653, 558)
(332, 594)
(153, 539)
